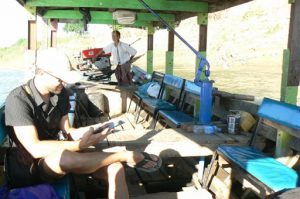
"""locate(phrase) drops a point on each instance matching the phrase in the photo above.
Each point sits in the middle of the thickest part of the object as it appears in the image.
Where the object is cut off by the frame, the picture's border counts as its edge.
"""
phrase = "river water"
(10, 79)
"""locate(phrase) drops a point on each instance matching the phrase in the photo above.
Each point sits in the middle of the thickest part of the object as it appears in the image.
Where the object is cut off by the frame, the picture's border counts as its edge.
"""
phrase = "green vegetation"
(273, 30)
(254, 13)
(74, 27)
(13, 52)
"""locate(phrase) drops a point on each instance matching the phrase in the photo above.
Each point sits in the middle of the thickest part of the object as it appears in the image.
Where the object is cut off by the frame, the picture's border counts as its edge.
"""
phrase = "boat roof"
(101, 10)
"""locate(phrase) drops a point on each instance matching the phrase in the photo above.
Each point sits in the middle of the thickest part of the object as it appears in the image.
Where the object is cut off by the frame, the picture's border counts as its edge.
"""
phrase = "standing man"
(122, 58)
(36, 112)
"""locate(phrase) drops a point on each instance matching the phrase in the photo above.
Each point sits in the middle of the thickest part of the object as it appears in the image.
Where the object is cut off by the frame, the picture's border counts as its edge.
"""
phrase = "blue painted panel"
(3, 131)
(280, 112)
(192, 87)
(173, 81)
(62, 187)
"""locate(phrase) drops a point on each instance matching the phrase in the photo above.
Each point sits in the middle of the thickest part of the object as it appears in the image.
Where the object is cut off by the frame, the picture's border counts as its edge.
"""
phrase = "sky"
(13, 23)
(13, 20)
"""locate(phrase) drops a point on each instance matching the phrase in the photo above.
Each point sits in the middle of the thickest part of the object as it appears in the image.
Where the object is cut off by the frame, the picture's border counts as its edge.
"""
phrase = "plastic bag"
(143, 88)
(153, 90)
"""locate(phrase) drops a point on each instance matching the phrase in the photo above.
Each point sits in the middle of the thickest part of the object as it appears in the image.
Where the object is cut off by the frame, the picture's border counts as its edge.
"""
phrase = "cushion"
(280, 112)
(159, 104)
(176, 117)
(266, 169)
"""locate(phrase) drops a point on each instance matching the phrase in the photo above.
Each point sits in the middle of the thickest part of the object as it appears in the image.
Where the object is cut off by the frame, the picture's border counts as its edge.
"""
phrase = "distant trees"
(77, 28)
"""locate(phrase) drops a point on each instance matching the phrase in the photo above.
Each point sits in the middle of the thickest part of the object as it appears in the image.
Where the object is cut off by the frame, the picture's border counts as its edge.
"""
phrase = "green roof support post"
(170, 53)
(150, 30)
(289, 95)
(202, 22)
(290, 75)
(202, 19)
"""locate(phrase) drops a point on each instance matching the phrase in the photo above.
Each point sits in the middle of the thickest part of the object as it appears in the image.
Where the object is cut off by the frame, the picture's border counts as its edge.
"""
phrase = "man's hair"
(117, 32)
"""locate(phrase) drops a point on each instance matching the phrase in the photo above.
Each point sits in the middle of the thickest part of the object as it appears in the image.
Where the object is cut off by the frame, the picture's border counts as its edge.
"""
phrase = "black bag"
(18, 169)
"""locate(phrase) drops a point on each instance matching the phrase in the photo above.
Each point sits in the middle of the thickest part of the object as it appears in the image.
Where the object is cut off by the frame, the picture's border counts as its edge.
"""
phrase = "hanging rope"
(203, 61)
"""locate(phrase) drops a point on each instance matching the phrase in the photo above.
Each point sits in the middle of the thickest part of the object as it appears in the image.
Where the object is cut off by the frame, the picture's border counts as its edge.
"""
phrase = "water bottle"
(71, 114)
(201, 168)
(207, 129)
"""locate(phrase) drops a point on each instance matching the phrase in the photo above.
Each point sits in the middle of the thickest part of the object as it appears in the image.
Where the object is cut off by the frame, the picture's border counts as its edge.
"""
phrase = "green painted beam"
(32, 12)
(75, 14)
(202, 18)
(169, 62)
(150, 29)
(183, 6)
(150, 61)
(288, 94)
(62, 14)
(202, 77)
(150, 17)
(203, 53)
(283, 141)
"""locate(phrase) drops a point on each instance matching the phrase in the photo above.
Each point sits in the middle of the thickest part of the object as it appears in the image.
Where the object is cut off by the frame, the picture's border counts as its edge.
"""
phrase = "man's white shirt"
(121, 53)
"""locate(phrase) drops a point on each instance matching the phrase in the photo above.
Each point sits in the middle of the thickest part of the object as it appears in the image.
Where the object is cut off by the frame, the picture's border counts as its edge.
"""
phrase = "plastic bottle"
(207, 129)
(71, 114)
(201, 168)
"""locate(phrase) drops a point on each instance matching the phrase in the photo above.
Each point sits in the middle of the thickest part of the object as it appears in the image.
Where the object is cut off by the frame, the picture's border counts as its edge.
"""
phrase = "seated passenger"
(37, 111)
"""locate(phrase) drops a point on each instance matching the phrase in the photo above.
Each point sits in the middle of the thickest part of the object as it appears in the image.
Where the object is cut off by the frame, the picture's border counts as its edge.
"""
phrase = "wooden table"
(173, 142)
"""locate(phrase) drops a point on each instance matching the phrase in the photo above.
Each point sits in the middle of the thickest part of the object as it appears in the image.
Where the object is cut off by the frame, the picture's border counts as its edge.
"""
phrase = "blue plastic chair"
(169, 98)
(141, 93)
(175, 118)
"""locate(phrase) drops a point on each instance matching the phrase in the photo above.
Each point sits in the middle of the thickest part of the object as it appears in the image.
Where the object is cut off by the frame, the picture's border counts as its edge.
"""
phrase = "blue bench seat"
(268, 170)
(141, 95)
(159, 104)
(264, 173)
(176, 117)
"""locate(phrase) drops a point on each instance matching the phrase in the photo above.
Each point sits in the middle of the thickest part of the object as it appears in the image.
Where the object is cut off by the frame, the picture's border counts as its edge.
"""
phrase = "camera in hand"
(110, 125)
(100, 129)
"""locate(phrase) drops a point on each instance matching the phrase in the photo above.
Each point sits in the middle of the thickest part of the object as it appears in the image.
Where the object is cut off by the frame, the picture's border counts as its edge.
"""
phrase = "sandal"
(147, 158)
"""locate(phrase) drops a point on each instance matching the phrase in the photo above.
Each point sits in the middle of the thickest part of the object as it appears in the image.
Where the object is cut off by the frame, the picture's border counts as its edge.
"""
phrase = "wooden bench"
(252, 168)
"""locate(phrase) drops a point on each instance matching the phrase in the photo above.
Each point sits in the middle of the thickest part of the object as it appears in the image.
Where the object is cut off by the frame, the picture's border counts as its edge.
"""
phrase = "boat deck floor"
(180, 151)
(172, 180)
